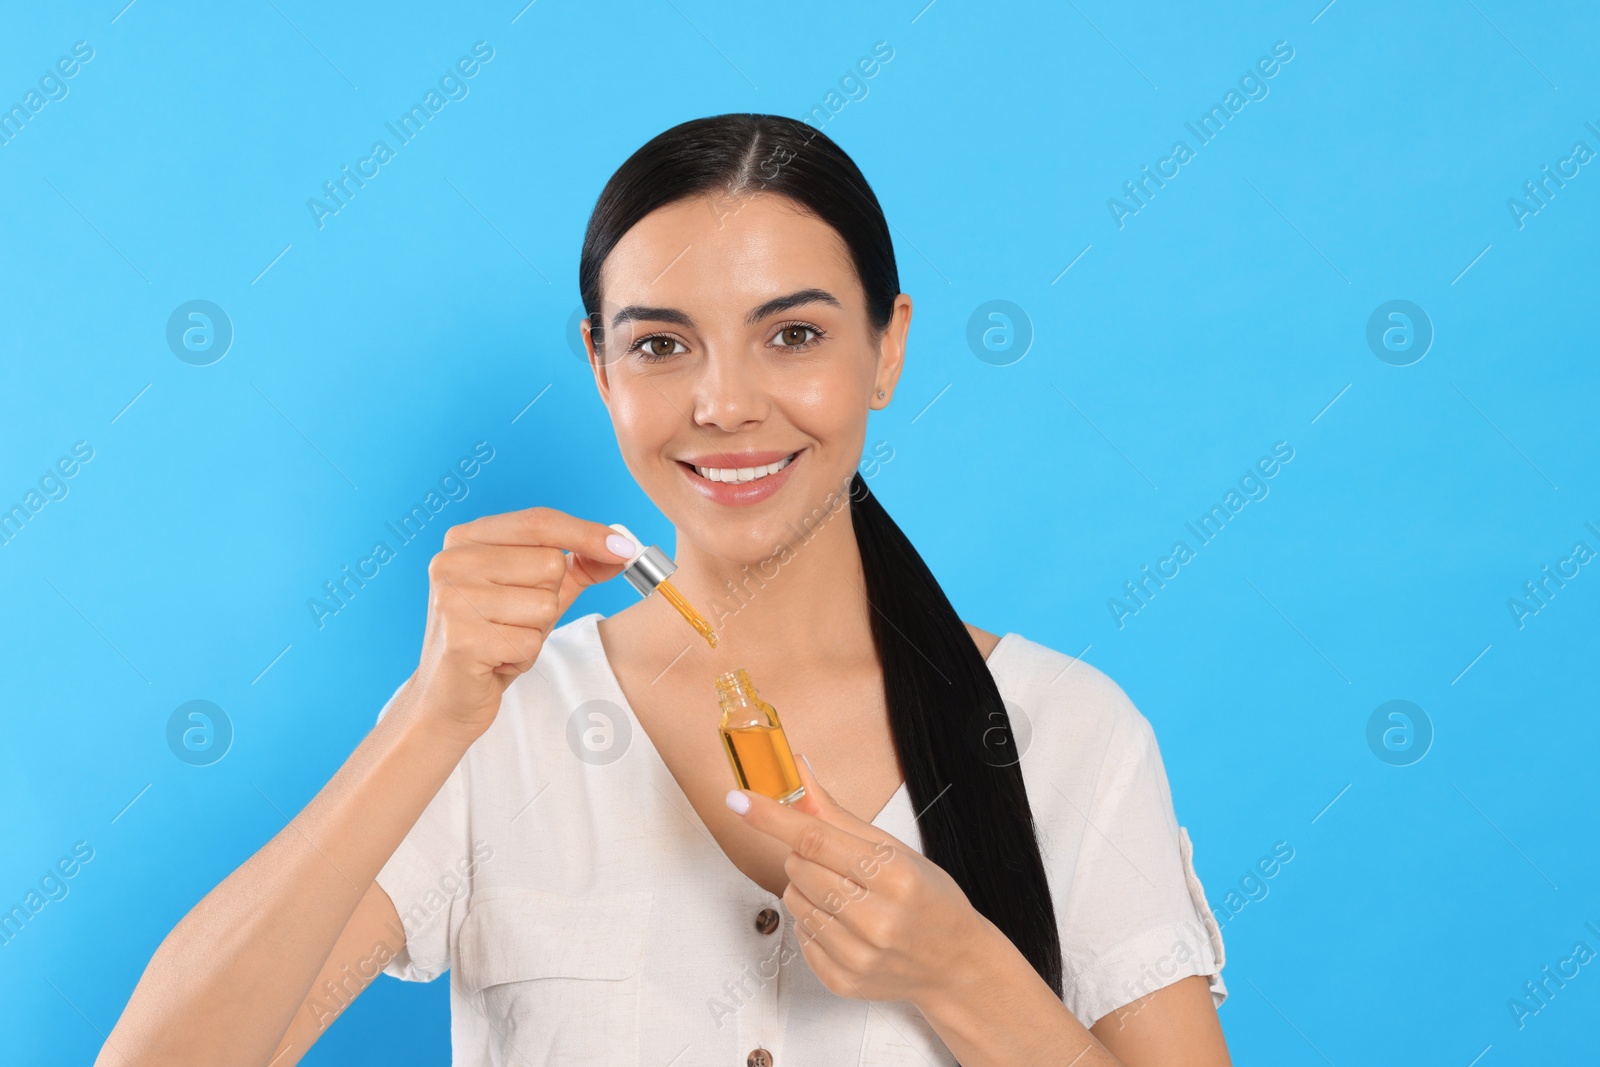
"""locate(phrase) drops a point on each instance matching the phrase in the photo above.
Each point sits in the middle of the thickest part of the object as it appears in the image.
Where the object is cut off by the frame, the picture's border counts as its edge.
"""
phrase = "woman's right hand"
(227, 981)
(496, 590)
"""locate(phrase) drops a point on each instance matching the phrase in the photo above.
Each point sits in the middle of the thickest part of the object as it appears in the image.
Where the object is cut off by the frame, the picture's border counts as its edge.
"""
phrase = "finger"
(819, 802)
(834, 978)
(806, 834)
(581, 572)
(520, 644)
(811, 922)
(509, 605)
(832, 892)
(512, 649)
(844, 894)
(821, 934)
(518, 567)
(548, 528)
(833, 975)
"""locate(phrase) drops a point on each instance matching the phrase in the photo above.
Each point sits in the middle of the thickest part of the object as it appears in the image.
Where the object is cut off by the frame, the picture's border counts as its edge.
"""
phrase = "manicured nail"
(812, 769)
(737, 801)
(621, 546)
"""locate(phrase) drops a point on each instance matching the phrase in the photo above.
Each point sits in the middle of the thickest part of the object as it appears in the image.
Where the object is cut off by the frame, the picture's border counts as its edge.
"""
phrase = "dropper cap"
(649, 566)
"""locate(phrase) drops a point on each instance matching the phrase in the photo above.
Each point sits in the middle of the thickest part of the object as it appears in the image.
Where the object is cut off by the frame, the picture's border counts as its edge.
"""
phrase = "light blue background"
(1224, 316)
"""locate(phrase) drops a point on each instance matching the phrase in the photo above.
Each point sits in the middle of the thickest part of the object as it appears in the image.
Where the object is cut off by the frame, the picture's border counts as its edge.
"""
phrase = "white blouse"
(587, 916)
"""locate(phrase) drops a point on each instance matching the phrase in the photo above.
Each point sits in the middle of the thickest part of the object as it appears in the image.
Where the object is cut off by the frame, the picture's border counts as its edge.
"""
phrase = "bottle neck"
(736, 693)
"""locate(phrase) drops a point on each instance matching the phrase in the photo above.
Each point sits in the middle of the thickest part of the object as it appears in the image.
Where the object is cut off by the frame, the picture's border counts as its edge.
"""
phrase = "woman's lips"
(740, 494)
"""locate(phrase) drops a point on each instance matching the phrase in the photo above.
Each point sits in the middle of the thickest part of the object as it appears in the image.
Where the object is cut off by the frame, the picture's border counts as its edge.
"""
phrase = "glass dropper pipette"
(648, 572)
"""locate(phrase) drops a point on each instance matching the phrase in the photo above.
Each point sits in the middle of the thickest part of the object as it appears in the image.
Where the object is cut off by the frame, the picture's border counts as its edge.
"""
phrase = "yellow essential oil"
(757, 749)
(649, 570)
(686, 609)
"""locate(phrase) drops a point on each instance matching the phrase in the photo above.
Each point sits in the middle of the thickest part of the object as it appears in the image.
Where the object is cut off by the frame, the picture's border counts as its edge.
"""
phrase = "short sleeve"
(428, 879)
(1136, 916)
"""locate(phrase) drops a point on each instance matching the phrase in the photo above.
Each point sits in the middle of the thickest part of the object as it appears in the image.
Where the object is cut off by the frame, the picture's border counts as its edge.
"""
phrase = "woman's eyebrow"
(638, 312)
(793, 300)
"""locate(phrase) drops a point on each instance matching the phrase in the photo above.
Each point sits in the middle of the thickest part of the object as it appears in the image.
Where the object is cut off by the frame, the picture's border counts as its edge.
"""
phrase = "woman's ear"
(892, 352)
(597, 363)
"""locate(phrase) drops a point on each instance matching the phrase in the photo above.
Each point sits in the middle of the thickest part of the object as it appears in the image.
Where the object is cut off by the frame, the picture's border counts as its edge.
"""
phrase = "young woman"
(985, 867)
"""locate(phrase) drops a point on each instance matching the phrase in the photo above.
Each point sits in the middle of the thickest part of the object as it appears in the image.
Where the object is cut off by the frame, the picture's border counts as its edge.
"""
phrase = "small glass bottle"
(757, 749)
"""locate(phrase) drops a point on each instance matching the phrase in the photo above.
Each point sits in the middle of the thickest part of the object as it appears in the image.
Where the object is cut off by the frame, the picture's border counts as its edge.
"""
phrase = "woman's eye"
(661, 347)
(794, 336)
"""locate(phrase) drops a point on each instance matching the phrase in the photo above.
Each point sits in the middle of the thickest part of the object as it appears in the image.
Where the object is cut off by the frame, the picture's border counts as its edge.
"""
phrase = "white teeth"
(741, 474)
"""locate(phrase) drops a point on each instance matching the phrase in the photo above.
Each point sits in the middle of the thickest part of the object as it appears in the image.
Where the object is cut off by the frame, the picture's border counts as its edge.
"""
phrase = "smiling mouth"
(742, 475)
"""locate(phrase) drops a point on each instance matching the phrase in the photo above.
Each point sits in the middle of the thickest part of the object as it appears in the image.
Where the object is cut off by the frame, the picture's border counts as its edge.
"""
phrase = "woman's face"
(739, 365)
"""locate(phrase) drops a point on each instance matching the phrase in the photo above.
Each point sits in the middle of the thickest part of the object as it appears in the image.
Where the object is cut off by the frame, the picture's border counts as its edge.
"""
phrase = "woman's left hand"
(874, 918)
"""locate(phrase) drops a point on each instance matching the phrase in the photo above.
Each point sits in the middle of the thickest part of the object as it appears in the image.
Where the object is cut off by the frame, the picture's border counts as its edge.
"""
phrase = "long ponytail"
(950, 726)
(954, 738)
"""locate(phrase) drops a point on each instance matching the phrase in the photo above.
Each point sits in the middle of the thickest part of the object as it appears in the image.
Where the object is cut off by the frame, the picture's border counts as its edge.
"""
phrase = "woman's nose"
(729, 391)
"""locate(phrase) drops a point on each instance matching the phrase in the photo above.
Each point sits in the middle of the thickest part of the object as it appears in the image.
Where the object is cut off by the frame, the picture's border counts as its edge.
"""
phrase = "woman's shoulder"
(985, 640)
(1065, 694)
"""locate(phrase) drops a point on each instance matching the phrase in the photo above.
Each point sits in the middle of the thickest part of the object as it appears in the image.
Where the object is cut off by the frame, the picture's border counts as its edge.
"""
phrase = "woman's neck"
(804, 605)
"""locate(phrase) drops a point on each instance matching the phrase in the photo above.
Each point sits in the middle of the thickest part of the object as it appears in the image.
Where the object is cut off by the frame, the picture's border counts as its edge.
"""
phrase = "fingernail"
(621, 546)
(812, 769)
(737, 801)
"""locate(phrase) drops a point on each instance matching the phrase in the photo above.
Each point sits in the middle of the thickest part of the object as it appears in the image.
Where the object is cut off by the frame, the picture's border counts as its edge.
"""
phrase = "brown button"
(759, 1058)
(766, 922)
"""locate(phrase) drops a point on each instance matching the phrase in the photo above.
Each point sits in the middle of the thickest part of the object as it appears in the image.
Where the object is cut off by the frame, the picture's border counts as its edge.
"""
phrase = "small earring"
(880, 394)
